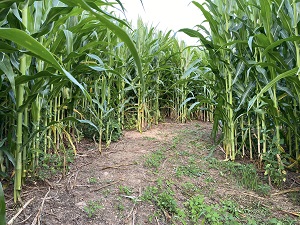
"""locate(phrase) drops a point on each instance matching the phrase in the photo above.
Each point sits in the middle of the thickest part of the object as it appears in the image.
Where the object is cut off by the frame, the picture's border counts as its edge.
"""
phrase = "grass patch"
(53, 164)
(191, 170)
(125, 190)
(244, 174)
(196, 209)
(189, 189)
(181, 197)
(200, 212)
(155, 159)
(258, 214)
(149, 138)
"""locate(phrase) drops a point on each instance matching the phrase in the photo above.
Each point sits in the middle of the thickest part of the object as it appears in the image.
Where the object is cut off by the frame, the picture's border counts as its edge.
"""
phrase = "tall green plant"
(48, 74)
(254, 56)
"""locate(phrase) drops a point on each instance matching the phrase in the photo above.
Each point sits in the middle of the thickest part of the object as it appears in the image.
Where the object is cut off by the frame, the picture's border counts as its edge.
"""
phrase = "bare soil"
(107, 189)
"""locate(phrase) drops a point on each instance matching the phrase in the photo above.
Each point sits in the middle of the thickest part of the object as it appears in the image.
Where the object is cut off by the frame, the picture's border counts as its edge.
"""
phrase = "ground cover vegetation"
(71, 68)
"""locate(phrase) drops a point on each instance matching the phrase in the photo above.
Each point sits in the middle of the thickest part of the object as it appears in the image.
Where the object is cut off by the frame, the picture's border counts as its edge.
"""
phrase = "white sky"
(166, 15)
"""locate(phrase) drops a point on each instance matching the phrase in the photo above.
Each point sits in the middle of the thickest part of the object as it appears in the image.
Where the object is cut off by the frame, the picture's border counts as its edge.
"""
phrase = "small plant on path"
(92, 207)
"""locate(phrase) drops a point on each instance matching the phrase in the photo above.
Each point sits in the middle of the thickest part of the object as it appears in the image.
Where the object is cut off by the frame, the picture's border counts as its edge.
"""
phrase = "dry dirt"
(112, 183)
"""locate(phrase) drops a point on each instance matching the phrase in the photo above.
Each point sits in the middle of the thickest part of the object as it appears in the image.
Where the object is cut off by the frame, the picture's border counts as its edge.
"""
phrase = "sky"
(166, 15)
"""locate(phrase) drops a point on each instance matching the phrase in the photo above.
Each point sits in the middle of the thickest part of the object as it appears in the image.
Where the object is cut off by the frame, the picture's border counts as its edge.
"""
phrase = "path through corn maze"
(170, 174)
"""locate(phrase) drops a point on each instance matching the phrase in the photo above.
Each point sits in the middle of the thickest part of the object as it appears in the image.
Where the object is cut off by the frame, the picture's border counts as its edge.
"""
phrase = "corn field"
(253, 72)
(72, 68)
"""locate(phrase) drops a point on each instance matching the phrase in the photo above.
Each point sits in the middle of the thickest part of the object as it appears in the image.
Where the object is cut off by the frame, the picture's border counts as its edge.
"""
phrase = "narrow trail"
(107, 189)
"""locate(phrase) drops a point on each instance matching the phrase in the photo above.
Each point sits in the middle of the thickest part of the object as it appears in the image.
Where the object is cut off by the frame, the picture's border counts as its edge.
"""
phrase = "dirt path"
(149, 178)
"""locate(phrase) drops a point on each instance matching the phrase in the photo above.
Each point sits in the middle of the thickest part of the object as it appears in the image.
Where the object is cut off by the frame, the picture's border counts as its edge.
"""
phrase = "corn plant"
(51, 38)
(67, 67)
(253, 51)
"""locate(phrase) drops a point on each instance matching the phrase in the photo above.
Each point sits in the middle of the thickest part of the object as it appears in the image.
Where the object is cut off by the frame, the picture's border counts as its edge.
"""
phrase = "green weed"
(167, 202)
(175, 142)
(198, 145)
(149, 193)
(183, 153)
(155, 159)
(93, 180)
(130, 122)
(92, 207)
(209, 179)
(125, 190)
(244, 174)
(258, 215)
(284, 221)
(53, 164)
(149, 138)
(196, 210)
(106, 192)
(120, 206)
(189, 189)
(163, 198)
(191, 170)
(201, 213)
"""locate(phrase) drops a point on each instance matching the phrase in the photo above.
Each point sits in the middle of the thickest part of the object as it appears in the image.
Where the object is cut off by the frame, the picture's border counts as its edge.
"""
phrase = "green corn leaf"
(232, 43)
(272, 83)
(37, 17)
(6, 68)
(276, 43)
(3, 13)
(245, 96)
(59, 41)
(250, 43)
(42, 74)
(266, 16)
(114, 28)
(8, 3)
(26, 41)
(5, 48)
(262, 40)
(196, 34)
(69, 41)
(284, 17)
(2, 206)
(53, 15)
(213, 24)
(186, 101)
(239, 69)
(9, 156)
(193, 106)
(2, 142)
(28, 101)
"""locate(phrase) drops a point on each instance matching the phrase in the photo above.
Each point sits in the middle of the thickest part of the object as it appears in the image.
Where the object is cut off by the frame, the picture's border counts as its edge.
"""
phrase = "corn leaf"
(116, 30)
(26, 41)
(276, 43)
(272, 83)
(6, 68)
(2, 206)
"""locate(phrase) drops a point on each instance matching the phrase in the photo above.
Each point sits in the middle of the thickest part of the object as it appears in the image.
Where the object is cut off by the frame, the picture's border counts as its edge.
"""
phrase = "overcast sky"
(166, 14)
